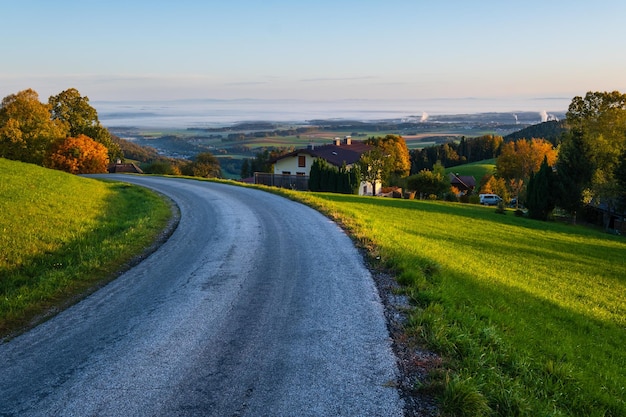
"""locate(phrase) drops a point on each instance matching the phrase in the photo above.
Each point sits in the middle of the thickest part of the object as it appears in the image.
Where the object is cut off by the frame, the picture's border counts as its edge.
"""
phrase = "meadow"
(475, 169)
(529, 316)
(63, 235)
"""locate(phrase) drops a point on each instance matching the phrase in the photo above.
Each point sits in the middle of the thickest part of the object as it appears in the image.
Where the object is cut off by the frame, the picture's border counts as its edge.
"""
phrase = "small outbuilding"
(120, 167)
(464, 183)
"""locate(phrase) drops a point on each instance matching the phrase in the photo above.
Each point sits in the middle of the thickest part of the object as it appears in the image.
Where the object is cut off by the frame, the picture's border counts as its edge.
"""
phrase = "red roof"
(466, 182)
(335, 155)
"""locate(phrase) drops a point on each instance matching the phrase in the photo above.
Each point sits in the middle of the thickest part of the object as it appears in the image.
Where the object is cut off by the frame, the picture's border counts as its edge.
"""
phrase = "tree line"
(452, 154)
(581, 166)
(580, 163)
(65, 134)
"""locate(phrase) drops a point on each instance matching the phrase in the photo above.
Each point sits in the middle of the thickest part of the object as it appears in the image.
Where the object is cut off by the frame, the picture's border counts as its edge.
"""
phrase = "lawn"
(530, 316)
(63, 235)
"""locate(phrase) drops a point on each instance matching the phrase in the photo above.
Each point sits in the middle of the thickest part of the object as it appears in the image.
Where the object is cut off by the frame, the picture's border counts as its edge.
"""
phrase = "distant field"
(190, 142)
(530, 316)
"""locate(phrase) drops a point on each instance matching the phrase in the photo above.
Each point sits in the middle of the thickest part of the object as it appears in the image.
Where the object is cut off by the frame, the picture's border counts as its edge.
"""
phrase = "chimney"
(347, 140)
(337, 142)
(310, 146)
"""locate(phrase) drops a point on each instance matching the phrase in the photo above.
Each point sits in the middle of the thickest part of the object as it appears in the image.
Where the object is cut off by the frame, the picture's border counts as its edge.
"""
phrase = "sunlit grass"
(531, 314)
(62, 234)
(475, 169)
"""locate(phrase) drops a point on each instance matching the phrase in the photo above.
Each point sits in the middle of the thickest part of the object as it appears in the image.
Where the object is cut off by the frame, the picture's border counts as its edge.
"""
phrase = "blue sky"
(312, 50)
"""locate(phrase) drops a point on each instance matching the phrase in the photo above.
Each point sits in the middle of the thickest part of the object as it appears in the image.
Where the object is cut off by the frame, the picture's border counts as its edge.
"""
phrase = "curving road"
(255, 306)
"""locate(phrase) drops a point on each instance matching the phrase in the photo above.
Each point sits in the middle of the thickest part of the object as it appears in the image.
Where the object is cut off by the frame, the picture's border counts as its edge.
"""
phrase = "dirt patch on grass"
(414, 362)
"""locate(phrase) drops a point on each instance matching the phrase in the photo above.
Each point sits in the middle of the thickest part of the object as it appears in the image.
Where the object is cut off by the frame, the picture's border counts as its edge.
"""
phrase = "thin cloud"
(244, 83)
(307, 80)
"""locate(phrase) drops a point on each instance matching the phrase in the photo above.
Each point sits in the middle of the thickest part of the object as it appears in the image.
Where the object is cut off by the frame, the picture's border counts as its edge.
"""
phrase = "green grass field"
(529, 316)
(475, 169)
(62, 235)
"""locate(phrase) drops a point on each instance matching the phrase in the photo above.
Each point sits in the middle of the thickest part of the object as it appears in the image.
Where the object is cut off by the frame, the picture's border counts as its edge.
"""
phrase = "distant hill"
(550, 131)
(134, 151)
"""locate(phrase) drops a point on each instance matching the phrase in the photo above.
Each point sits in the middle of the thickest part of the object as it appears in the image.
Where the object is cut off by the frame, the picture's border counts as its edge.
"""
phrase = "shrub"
(161, 168)
(450, 197)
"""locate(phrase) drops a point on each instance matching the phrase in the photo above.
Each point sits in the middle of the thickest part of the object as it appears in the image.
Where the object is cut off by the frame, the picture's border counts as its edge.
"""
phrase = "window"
(301, 161)
(286, 172)
(301, 174)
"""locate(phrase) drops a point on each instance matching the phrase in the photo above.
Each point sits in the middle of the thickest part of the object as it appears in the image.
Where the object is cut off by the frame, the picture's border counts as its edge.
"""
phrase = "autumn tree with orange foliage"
(521, 158)
(78, 155)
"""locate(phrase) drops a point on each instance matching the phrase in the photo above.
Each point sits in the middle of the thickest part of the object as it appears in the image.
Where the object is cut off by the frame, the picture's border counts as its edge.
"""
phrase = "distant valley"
(234, 142)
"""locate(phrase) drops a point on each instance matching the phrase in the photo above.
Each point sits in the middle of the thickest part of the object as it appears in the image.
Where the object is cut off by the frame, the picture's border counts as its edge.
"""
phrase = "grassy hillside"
(529, 316)
(63, 234)
(475, 169)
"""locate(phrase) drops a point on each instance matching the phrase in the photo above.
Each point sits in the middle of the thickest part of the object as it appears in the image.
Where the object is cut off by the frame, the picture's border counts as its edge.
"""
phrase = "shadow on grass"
(132, 224)
(528, 353)
(469, 211)
(510, 340)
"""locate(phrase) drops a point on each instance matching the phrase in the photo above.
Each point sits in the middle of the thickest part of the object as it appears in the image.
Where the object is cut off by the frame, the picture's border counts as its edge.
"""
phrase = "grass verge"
(63, 235)
(530, 316)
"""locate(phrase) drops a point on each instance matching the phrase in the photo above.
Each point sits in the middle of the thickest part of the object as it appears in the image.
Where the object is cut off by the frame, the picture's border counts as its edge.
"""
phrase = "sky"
(312, 50)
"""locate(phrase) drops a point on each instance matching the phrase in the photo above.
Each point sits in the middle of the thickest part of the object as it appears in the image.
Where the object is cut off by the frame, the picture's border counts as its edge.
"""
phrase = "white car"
(489, 199)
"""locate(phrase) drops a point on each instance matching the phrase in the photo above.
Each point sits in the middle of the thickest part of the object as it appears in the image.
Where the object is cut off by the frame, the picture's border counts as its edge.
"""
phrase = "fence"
(294, 182)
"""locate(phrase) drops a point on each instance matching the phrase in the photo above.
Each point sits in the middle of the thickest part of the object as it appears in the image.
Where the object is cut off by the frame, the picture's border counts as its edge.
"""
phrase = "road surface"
(255, 306)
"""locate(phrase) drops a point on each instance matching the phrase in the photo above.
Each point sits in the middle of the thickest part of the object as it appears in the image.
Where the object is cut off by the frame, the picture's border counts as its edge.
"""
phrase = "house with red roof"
(295, 167)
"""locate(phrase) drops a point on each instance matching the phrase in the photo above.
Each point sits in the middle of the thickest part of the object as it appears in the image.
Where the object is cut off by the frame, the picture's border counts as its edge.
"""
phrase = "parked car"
(489, 199)
(513, 203)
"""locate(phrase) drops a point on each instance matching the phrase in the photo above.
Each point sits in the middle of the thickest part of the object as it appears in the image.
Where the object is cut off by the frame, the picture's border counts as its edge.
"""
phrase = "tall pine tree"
(540, 193)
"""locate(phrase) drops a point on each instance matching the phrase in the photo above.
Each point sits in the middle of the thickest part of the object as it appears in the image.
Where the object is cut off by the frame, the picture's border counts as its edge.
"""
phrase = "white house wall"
(290, 164)
(366, 188)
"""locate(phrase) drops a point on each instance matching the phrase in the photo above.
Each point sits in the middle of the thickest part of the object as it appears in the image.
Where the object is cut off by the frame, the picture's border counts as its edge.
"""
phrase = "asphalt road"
(255, 306)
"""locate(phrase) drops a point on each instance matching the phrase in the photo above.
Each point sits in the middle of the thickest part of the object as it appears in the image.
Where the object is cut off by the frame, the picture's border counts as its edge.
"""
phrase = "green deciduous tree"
(371, 167)
(74, 110)
(591, 152)
(204, 165)
(427, 182)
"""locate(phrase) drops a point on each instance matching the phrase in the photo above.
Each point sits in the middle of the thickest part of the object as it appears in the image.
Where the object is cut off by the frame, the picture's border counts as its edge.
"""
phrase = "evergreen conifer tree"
(540, 192)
